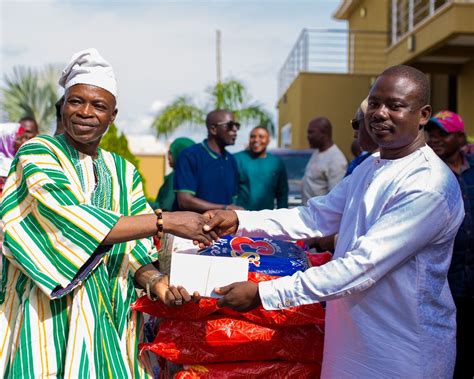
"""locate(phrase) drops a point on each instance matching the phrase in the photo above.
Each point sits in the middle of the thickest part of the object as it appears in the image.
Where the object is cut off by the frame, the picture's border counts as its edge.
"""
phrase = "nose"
(85, 110)
(381, 112)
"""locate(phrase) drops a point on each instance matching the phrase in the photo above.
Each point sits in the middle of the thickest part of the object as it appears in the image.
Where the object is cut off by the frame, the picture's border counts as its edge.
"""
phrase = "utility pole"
(218, 55)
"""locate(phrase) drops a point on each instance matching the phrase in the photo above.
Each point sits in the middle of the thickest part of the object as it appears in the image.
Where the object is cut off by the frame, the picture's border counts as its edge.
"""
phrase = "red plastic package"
(294, 316)
(188, 311)
(247, 370)
(223, 339)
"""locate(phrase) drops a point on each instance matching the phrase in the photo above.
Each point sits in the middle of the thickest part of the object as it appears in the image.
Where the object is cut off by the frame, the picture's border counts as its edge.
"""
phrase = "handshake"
(202, 229)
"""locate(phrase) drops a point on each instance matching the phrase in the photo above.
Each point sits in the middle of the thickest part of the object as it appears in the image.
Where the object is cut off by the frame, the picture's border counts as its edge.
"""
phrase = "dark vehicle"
(295, 162)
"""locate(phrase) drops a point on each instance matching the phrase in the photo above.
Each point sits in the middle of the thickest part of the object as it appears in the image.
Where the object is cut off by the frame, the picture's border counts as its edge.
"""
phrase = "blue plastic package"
(277, 258)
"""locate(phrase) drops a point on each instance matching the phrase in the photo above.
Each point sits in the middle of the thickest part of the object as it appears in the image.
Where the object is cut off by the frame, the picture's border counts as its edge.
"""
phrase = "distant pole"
(218, 55)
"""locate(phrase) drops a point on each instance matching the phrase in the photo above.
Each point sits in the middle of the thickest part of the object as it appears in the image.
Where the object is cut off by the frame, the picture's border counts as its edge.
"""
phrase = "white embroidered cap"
(88, 67)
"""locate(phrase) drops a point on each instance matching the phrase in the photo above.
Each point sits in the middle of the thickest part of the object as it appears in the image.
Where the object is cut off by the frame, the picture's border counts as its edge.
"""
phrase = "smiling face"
(444, 144)
(394, 115)
(86, 114)
(258, 141)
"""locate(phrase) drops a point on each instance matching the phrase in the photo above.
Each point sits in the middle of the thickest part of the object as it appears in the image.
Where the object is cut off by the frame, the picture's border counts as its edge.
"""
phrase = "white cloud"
(157, 106)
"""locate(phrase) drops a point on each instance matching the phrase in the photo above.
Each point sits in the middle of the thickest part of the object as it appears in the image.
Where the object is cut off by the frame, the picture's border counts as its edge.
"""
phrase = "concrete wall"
(335, 96)
(466, 97)
(376, 16)
(369, 39)
(152, 168)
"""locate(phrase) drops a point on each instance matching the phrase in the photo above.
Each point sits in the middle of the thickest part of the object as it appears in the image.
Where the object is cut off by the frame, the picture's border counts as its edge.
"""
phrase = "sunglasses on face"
(355, 123)
(229, 124)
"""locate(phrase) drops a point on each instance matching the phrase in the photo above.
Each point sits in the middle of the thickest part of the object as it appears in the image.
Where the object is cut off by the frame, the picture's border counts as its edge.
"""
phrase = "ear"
(114, 114)
(212, 130)
(425, 114)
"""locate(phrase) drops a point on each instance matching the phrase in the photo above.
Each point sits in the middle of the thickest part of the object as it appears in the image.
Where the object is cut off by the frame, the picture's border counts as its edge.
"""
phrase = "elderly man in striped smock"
(76, 244)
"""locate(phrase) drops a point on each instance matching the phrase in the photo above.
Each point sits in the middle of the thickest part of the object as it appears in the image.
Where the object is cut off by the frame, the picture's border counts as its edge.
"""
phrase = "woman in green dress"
(166, 195)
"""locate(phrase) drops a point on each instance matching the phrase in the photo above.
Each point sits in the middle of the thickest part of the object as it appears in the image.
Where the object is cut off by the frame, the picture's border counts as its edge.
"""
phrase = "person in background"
(356, 151)
(362, 137)
(166, 195)
(205, 174)
(59, 123)
(12, 136)
(447, 138)
(389, 313)
(327, 165)
(262, 176)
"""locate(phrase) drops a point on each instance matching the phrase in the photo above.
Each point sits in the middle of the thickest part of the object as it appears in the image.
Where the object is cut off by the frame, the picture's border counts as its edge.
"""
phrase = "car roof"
(287, 151)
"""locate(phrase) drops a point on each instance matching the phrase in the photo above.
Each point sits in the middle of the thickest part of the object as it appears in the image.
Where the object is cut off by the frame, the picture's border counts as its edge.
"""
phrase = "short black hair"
(323, 124)
(212, 116)
(28, 118)
(416, 76)
(58, 105)
(260, 127)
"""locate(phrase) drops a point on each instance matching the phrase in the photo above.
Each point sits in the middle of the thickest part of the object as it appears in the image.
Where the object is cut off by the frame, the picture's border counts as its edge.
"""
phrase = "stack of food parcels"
(201, 340)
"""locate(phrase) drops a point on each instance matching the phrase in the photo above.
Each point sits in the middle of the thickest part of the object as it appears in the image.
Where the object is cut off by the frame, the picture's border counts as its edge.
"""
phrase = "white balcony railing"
(333, 51)
(407, 14)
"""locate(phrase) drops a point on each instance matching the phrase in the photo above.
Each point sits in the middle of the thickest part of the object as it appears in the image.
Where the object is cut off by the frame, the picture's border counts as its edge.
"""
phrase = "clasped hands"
(204, 230)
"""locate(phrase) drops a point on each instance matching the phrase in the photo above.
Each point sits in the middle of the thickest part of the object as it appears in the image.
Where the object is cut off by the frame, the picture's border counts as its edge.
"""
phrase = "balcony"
(433, 35)
(334, 51)
(405, 15)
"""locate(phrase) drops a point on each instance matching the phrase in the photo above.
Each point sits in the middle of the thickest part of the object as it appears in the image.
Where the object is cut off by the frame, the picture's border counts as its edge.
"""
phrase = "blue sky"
(162, 49)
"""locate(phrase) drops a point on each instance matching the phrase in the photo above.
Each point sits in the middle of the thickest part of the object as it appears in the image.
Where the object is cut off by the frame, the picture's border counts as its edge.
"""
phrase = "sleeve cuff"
(83, 273)
(270, 295)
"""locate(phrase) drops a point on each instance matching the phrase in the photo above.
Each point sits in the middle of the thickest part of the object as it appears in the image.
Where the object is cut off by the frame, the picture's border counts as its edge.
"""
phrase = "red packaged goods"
(294, 316)
(222, 339)
(247, 370)
(188, 311)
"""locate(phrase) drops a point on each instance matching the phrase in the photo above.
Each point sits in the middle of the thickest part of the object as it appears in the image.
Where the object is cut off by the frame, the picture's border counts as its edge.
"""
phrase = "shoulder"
(241, 155)
(336, 152)
(193, 149)
(230, 156)
(429, 174)
(470, 160)
(41, 145)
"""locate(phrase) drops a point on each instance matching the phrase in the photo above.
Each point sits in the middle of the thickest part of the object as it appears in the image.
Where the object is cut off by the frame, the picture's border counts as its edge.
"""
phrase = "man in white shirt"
(327, 165)
(389, 312)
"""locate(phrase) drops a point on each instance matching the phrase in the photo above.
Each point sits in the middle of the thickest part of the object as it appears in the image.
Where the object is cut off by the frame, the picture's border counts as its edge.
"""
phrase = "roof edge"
(346, 7)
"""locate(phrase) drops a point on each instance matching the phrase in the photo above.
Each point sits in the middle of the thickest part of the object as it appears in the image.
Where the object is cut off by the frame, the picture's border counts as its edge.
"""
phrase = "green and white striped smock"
(64, 299)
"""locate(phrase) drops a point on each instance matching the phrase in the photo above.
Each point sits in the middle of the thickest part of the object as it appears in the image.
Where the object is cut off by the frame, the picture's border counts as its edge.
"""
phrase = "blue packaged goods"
(277, 258)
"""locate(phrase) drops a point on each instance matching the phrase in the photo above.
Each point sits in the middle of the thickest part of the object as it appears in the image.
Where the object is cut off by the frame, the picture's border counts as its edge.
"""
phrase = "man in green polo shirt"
(262, 176)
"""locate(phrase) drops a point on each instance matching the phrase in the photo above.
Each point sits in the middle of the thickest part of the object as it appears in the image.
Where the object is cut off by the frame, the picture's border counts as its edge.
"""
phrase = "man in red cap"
(447, 138)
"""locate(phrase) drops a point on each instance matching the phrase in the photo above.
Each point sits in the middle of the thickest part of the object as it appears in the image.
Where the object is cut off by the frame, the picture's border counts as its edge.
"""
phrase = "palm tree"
(230, 94)
(30, 92)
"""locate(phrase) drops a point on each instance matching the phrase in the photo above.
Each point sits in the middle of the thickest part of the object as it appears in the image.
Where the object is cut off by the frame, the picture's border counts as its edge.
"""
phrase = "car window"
(295, 165)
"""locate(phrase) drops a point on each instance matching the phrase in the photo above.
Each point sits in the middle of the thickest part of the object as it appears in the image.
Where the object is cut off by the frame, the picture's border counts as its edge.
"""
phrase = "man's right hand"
(221, 222)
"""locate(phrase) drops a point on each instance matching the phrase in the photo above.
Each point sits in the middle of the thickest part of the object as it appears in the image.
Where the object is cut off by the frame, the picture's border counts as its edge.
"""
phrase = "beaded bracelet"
(159, 223)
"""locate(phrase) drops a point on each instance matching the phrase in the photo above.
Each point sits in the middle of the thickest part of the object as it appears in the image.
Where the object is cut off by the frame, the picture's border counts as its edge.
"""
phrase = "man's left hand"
(240, 296)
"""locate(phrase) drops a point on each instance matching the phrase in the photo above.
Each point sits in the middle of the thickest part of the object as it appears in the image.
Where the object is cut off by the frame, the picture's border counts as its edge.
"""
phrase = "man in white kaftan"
(392, 233)
(390, 313)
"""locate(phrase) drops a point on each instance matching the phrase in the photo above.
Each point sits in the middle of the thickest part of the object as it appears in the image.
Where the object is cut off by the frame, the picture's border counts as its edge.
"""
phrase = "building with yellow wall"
(151, 153)
(329, 72)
